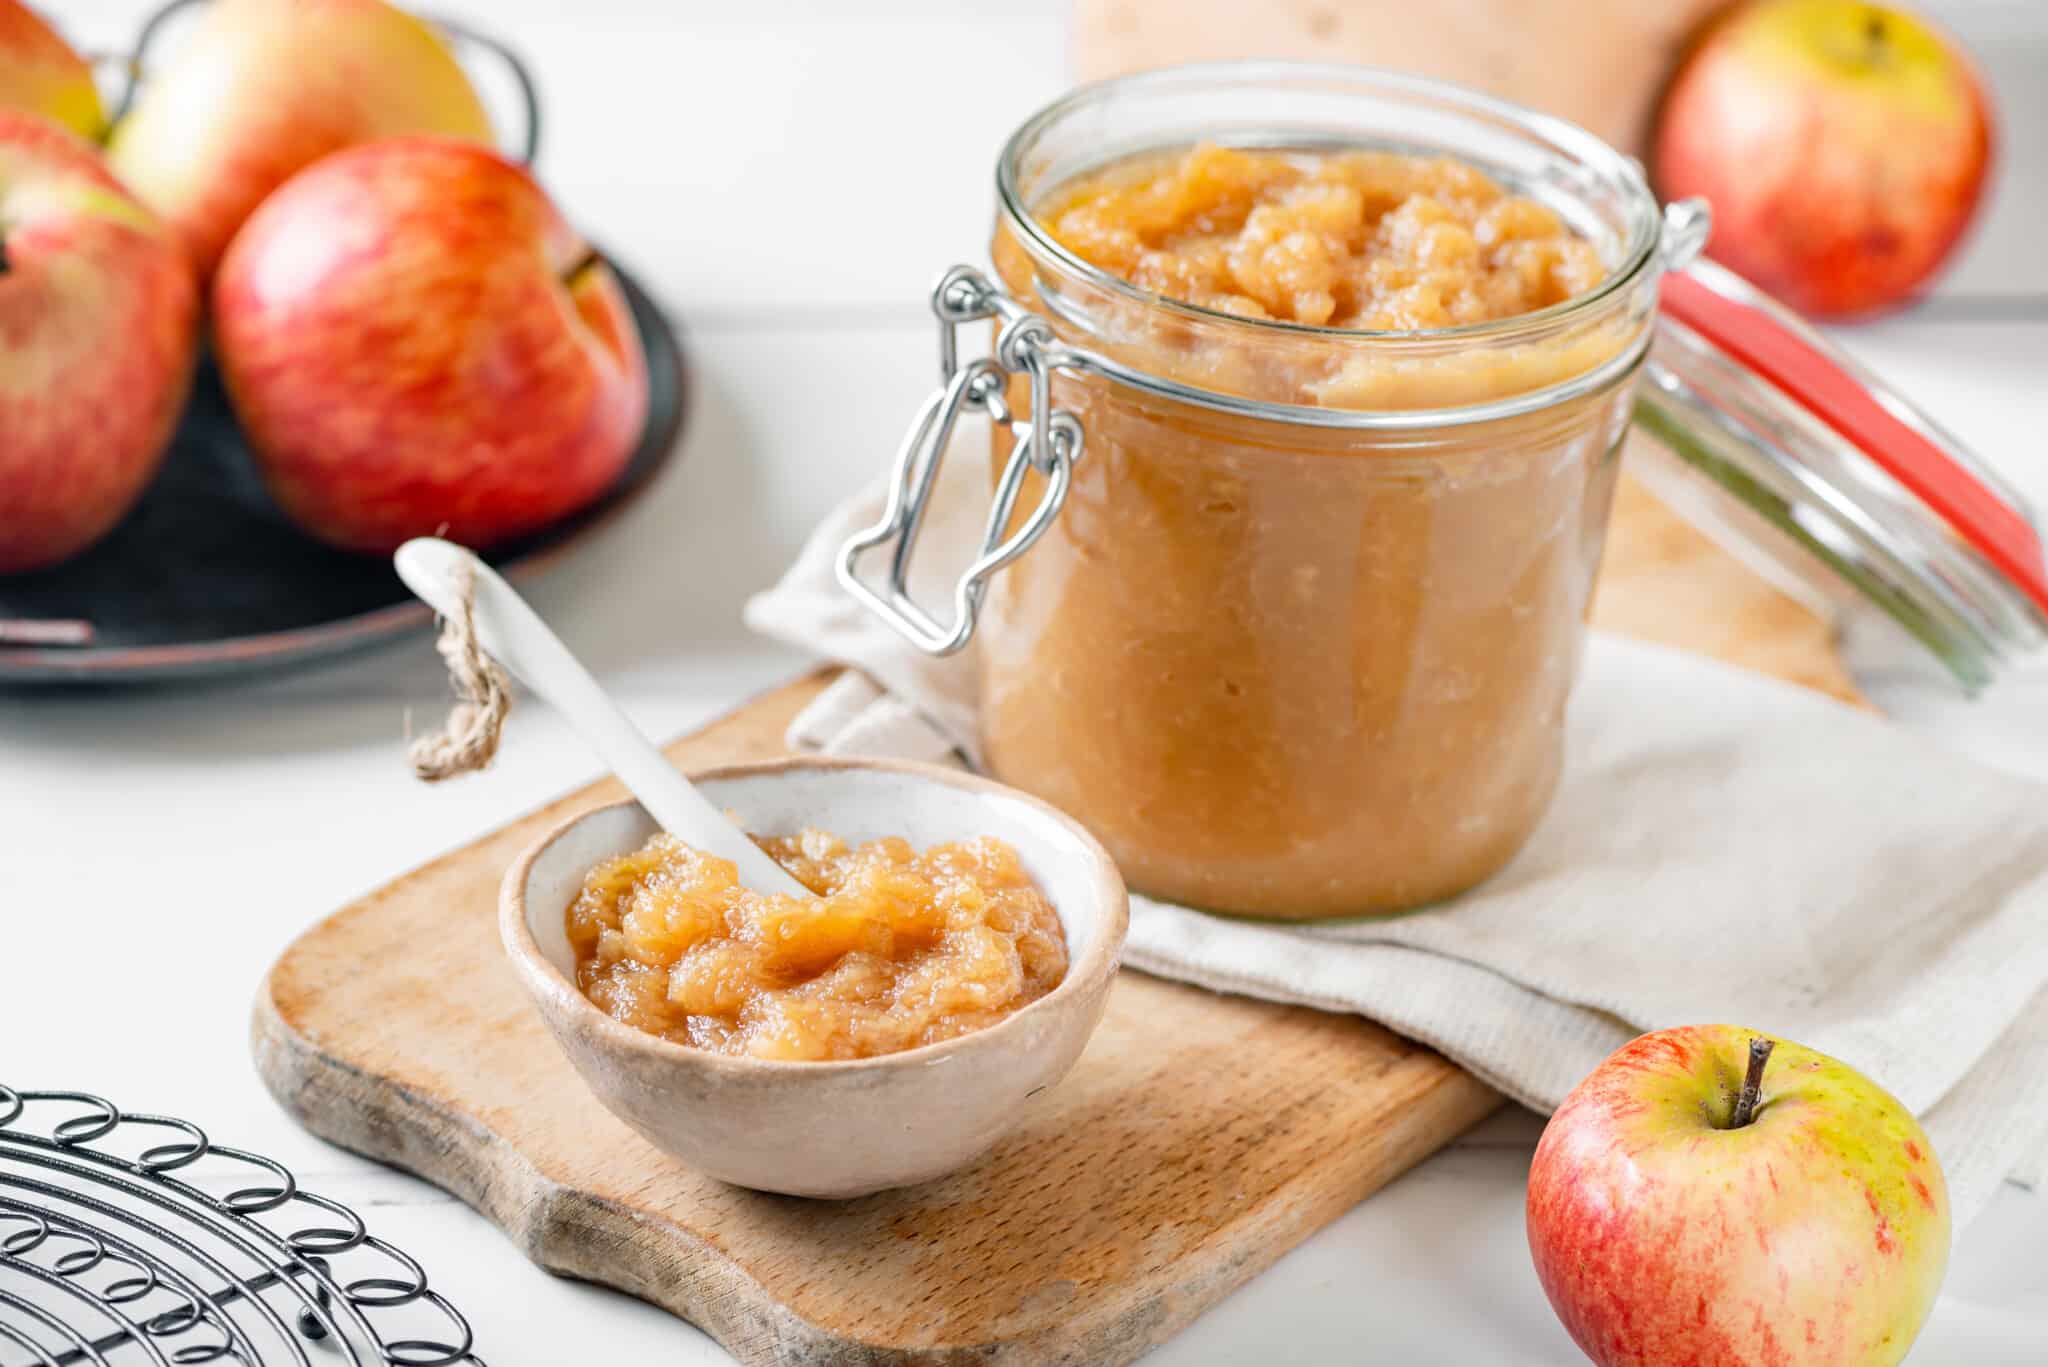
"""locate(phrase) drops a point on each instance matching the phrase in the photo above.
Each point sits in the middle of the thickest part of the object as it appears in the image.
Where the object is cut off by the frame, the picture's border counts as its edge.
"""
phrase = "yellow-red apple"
(99, 325)
(1709, 1197)
(416, 342)
(40, 72)
(264, 88)
(1844, 147)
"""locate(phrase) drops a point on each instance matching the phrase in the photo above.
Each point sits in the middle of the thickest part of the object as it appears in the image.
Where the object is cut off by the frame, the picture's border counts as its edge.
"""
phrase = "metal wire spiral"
(136, 1239)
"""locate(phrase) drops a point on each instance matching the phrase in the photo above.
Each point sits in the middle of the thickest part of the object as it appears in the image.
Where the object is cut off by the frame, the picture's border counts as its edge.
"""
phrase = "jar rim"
(1582, 147)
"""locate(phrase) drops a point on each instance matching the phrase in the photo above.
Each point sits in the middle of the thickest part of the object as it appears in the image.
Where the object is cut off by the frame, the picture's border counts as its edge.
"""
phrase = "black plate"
(206, 577)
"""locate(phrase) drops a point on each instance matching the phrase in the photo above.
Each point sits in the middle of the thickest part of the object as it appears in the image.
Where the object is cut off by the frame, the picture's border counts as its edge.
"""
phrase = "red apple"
(417, 343)
(261, 89)
(99, 325)
(40, 72)
(1844, 147)
(1708, 1197)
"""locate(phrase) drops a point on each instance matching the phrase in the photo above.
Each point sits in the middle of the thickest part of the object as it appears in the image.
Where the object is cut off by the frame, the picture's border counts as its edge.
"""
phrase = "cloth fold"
(1723, 847)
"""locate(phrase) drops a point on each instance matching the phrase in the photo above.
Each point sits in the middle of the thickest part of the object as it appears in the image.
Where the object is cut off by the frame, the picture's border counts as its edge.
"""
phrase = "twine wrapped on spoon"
(480, 611)
(468, 740)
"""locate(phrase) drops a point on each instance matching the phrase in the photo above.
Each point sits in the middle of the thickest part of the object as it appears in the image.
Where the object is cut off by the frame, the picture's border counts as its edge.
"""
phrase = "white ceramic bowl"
(834, 1129)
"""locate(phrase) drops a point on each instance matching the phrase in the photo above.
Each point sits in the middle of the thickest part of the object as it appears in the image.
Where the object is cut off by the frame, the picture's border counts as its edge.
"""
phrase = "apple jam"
(897, 949)
(1299, 643)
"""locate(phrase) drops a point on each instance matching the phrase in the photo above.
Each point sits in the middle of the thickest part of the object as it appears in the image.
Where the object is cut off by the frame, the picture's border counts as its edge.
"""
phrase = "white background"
(788, 177)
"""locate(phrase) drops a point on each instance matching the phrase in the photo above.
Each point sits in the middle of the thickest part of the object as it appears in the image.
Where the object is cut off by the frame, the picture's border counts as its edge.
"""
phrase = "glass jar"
(1299, 639)
(1287, 615)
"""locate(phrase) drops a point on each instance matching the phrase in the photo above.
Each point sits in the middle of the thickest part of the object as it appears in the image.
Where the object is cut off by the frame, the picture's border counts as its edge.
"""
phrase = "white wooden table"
(789, 175)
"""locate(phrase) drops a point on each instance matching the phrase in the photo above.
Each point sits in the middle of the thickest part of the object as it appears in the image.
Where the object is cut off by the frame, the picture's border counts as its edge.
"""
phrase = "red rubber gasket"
(1761, 343)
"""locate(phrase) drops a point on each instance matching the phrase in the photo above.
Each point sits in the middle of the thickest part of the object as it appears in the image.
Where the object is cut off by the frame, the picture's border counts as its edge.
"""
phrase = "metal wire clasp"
(1047, 440)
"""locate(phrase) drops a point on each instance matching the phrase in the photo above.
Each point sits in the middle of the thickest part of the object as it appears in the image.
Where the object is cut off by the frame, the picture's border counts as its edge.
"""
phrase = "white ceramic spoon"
(513, 634)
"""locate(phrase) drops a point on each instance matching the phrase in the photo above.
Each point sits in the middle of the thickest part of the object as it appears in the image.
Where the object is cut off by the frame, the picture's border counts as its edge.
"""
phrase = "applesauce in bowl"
(895, 949)
(1309, 385)
(950, 974)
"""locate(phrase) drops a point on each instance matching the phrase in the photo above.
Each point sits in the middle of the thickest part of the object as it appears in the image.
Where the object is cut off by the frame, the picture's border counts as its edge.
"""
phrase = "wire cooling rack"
(136, 1239)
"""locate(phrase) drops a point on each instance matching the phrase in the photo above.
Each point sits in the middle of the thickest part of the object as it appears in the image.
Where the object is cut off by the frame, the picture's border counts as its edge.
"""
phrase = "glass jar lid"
(1831, 483)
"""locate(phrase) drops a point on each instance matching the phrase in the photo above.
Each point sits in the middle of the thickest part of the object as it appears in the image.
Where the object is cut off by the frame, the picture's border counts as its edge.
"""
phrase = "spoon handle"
(514, 635)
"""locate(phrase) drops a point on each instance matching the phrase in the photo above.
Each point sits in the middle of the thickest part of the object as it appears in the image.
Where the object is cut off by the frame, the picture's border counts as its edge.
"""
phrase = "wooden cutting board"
(1661, 579)
(1198, 1138)
(1600, 63)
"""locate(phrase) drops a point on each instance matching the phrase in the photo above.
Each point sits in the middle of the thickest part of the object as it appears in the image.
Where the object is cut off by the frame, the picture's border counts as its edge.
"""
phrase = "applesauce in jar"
(1335, 368)
(1374, 241)
(897, 949)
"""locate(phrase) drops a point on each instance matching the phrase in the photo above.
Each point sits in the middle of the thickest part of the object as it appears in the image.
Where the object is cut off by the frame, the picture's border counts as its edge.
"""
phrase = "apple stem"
(4, 264)
(1753, 1084)
(591, 257)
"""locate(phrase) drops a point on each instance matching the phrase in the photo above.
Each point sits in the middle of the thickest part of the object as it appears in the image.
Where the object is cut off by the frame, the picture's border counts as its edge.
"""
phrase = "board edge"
(562, 1230)
(378, 1118)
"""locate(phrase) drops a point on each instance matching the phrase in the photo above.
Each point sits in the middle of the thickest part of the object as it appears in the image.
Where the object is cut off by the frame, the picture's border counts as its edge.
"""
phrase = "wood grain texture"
(1663, 580)
(1599, 63)
(1198, 1138)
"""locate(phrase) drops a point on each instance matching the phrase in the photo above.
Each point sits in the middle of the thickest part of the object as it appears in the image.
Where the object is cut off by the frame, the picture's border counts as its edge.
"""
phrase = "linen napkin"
(1724, 847)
